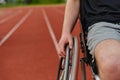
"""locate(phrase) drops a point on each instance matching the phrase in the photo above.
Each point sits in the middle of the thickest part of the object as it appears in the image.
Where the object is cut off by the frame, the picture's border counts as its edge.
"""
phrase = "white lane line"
(15, 27)
(50, 30)
(59, 11)
(13, 15)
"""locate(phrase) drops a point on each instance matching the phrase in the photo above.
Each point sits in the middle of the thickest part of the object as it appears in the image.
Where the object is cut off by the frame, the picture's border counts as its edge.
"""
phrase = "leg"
(107, 54)
(104, 44)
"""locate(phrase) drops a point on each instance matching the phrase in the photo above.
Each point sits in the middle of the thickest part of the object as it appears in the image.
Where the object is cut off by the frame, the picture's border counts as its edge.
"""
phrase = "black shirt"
(93, 11)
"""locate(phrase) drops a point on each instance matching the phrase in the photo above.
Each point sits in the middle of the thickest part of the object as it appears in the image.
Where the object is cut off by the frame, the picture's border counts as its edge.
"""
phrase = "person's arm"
(71, 15)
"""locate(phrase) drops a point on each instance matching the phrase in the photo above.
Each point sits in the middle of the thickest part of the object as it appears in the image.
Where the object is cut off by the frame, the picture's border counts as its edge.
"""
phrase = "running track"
(28, 42)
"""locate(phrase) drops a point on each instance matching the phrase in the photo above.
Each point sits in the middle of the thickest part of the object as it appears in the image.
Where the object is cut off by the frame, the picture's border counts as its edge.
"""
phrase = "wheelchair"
(68, 67)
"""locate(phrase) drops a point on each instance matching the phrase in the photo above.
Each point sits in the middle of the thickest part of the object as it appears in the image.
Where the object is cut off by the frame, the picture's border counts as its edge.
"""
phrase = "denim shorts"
(101, 31)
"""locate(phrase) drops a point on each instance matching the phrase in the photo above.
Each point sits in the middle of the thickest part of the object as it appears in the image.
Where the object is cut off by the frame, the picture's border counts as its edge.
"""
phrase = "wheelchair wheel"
(68, 67)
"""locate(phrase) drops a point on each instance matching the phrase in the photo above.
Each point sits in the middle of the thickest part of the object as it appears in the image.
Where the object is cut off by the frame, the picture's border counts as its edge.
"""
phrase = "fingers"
(63, 41)
(61, 50)
(70, 43)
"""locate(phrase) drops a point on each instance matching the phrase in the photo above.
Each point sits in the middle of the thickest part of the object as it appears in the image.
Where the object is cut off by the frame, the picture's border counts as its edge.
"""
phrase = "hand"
(65, 39)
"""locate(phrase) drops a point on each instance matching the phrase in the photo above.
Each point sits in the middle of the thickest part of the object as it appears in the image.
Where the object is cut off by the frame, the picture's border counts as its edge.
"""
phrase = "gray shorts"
(101, 31)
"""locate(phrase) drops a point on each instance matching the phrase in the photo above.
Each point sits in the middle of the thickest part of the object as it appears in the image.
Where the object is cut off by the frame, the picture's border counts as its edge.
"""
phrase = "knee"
(107, 56)
(110, 66)
(110, 70)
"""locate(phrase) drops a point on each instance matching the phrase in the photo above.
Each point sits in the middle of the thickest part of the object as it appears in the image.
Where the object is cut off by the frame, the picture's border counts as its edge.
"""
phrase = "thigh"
(108, 51)
(100, 32)
(107, 55)
(103, 41)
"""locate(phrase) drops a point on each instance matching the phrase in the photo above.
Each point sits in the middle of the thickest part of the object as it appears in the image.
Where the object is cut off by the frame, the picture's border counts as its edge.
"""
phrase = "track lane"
(9, 24)
(4, 39)
(4, 13)
(29, 54)
(61, 8)
(4, 19)
(58, 10)
(56, 20)
(50, 30)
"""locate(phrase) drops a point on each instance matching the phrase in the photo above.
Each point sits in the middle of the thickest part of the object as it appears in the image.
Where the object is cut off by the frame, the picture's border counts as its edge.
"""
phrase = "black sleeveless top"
(93, 11)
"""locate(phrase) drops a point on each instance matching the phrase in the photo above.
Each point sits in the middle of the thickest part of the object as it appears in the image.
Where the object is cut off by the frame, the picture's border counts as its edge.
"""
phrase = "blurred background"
(5, 3)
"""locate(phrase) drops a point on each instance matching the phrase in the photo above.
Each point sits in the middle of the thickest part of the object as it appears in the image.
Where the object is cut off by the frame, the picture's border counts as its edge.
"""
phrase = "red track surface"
(29, 52)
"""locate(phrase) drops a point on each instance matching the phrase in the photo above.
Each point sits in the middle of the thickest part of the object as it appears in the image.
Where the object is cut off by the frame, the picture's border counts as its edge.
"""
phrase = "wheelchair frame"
(68, 68)
(87, 59)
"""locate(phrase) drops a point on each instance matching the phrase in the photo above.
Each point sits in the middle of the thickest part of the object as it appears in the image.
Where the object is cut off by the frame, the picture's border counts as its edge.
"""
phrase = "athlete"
(102, 23)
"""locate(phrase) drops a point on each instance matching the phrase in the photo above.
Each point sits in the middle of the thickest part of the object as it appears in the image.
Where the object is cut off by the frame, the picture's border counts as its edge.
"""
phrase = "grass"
(19, 5)
(11, 5)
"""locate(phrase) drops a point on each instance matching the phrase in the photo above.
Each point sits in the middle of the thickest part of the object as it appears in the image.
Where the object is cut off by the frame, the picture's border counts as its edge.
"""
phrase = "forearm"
(71, 15)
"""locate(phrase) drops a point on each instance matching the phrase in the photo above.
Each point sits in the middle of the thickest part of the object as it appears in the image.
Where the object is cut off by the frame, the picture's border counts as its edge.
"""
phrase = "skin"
(107, 54)
(72, 7)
